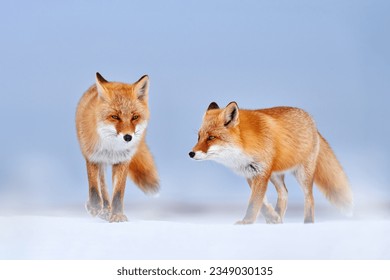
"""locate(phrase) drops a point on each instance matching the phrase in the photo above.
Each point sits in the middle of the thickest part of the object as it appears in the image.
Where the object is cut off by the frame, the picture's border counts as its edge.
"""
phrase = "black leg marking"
(117, 205)
(94, 204)
(94, 197)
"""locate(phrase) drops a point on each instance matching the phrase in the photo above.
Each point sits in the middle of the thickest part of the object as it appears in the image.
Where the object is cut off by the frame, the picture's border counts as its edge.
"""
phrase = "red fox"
(111, 121)
(262, 145)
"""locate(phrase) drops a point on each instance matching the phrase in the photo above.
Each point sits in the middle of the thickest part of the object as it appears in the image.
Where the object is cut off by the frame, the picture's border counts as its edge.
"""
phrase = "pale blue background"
(329, 57)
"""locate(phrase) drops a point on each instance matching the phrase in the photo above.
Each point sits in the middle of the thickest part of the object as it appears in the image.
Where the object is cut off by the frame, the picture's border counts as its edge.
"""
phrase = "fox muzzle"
(127, 137)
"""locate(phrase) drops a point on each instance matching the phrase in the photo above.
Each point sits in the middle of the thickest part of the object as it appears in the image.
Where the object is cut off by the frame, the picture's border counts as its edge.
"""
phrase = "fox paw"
(117, 218)
(94, 210)
(273, 219)
(105, 214)
(244, 222)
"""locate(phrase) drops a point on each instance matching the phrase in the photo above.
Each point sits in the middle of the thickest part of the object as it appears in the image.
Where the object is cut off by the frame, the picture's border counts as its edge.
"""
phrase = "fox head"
(122, 112)
(219, 135)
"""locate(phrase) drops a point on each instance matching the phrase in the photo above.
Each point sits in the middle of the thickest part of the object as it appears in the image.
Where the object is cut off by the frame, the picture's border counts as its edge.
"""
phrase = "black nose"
(127, 137)
(192, 154)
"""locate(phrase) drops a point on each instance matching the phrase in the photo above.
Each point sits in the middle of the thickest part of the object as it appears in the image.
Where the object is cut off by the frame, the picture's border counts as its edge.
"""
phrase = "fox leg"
(269, 213)
(106, 210)
(119, 174)
(305, 177)
(271, 217)
(278, 181)
(94, 203)
(258, 188)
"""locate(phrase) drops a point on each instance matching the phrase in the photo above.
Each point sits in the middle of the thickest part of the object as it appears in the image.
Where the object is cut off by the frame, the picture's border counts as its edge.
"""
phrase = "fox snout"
(198, 155)
(127, 137)
(198, 152)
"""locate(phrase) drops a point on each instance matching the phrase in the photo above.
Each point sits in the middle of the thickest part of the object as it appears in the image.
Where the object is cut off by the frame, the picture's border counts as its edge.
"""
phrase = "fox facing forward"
(262, 145)
(111, 121)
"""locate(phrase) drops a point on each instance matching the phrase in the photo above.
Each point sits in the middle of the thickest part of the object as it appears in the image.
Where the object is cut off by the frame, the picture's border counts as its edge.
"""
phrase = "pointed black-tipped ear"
(231, 114)
(142, 88)
(100, 78)
(213, 106)
(100, 85)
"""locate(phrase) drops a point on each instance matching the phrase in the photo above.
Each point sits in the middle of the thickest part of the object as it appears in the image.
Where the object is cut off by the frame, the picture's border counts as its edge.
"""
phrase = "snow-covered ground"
(176, 231)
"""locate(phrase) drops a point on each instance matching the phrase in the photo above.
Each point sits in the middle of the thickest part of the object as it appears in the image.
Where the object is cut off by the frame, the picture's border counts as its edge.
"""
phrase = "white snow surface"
(200, 233)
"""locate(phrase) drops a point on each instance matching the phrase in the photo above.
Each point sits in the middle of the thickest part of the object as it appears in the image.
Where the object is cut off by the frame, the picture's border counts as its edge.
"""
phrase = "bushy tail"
(142, 170)
(331, 179)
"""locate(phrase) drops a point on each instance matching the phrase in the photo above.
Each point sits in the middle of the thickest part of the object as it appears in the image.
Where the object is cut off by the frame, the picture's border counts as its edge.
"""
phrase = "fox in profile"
(262, 145)
(111, 121)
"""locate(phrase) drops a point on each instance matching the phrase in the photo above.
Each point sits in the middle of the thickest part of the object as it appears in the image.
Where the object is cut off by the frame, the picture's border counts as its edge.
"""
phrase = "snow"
(197, 232)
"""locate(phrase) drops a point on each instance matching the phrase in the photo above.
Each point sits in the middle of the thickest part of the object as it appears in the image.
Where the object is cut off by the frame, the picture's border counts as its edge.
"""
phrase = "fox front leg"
(269, 213)
(119, 174)
(105, 213)
(258, 188)
(94, 203)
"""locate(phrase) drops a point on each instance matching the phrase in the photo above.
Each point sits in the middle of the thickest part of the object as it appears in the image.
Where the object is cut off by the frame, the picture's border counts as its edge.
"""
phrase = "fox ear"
(213, 106)
(142, 88)
(100, 85)
(230, 114)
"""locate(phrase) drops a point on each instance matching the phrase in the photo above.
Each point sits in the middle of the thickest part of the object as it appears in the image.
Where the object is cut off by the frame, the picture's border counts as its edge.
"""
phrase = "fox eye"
(210, 138)
(115, 117)
(135, 117)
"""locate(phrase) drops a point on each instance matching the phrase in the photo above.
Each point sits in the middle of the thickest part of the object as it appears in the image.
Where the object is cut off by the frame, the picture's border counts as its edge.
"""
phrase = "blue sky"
(330, 58)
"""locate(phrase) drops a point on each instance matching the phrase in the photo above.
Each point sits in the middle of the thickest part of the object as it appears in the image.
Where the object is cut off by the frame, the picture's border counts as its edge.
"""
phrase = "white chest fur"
(235, 159)
(112, 148)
